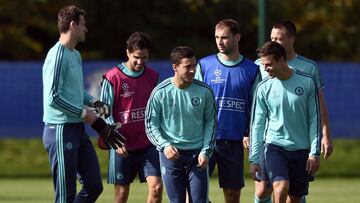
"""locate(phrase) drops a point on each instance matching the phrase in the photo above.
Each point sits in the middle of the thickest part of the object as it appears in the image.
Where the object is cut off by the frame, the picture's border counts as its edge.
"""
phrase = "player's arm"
(198, 73)
(259, 114)
(246, 139)
(153, 121)
(57, 100)
(209, 126)
(326, 141)
(314, 131)
(107, 96)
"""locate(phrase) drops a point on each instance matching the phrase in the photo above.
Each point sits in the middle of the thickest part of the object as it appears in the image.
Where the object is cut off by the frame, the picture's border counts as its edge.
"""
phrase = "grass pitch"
(331, 190)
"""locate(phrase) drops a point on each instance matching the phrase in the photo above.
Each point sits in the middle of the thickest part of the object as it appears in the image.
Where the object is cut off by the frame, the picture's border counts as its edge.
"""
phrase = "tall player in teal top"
(66, 108)
(231, 77)
(285, 125)
(180, 122)
(284, 33)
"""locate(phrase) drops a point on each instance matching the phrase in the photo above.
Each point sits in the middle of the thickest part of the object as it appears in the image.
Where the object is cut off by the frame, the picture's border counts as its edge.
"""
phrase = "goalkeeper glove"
(108, 134)
(102, 108)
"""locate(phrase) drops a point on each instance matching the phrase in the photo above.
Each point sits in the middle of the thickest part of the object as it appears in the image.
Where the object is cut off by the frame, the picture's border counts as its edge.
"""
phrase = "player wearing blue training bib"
(230, 75)
(180, 122)
(286, 123)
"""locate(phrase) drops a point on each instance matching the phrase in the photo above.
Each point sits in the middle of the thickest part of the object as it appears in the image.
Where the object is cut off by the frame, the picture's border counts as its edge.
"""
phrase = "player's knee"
(263, 192)
(281, 192)
(155, 190)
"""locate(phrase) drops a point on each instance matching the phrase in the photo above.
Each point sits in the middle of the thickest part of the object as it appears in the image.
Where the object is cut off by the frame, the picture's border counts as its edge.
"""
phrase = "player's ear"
(174, 67)
(72, 25)
(238, 37)
(292, 39)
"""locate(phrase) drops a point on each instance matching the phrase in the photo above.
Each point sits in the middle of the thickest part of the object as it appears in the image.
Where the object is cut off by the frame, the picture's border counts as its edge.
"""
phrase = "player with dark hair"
(126, 88)
(285, 126)
(231, 77)
(66, 108)
(284, 33)
(180, 122)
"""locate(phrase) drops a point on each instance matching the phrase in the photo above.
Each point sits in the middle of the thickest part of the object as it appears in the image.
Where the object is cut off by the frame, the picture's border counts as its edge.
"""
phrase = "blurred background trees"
(328, 30)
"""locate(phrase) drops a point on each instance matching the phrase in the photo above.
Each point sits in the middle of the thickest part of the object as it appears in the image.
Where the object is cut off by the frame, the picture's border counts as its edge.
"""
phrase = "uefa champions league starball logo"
(125, 86)
(217, 79)
(217, 72)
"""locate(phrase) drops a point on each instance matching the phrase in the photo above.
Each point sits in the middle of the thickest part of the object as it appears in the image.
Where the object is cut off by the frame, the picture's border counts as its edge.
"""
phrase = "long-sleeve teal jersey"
(63, 87)
(286, 113)
(184, 118)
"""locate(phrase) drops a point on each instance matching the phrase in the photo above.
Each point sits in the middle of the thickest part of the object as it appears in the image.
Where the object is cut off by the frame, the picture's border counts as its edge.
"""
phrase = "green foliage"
(327, 29)
(28, 158)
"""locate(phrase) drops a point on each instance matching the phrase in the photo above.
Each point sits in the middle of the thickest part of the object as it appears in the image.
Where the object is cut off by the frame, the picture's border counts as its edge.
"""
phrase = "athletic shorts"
(144, 162)
(282, 164)
(229, 157)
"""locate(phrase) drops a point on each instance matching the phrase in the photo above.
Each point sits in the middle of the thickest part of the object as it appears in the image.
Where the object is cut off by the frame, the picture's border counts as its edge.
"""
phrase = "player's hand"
(326, 147)
(122, 151)
(254, 169)
(102, 108)
(171, 152)
(246, 142)
(203, 161)
(109, 134)
(312, 164)
(90, 116)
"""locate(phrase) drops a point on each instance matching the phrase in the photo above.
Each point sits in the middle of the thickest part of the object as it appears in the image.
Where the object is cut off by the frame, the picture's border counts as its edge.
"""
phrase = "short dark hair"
(68, 14)
(138, 40)
(288, 25)
(179, 53)
(272, 48)
(229, 23)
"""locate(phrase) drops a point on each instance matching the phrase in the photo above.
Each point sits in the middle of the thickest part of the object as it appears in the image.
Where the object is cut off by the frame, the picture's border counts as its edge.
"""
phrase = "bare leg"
(155, 188)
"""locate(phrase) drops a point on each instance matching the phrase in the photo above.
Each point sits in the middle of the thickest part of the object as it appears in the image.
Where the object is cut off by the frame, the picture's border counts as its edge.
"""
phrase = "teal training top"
(184, 118)
(300, 63)
(63, 87)
(286, 113)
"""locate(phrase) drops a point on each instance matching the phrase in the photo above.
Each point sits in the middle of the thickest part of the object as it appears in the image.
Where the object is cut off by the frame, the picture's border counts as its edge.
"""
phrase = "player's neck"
(66, 40)
(290, 55)
(286, 73)
(181, 84)
(230, 57)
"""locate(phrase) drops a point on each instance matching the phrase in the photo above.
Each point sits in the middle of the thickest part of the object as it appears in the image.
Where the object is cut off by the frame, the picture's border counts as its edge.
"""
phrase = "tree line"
(328, 30)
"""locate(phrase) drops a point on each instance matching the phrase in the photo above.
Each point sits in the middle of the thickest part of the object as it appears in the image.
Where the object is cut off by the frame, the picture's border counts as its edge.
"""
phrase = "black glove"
(102, 108)
(108, 134)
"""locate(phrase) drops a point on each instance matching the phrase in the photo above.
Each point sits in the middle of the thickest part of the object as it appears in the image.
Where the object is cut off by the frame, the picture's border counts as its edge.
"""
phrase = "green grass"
(332, 190)
(25, 176)
(28, 158)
